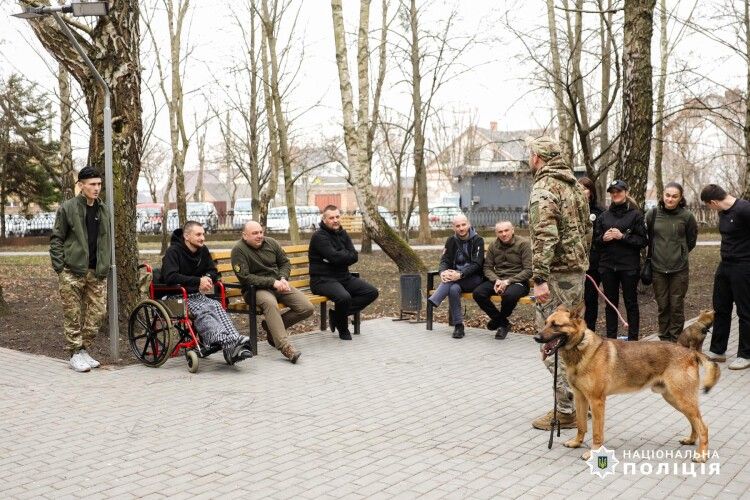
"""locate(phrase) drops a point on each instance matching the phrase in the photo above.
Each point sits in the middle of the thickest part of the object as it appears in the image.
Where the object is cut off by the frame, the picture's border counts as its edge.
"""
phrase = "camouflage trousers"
(84, 302)
(564, 288)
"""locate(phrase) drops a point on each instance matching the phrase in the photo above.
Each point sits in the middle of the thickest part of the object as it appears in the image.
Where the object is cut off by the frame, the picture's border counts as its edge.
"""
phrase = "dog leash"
(555, 421)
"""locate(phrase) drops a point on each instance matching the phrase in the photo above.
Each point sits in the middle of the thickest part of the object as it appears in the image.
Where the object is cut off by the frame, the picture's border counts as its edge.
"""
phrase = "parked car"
(308, 218)
(243, 212)
(41, 224)
(148, 217)
(441, 217)
(200, 211)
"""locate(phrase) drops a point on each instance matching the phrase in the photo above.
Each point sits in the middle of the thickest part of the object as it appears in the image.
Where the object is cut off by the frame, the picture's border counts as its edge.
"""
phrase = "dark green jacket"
(511, 261)
(675, 233)
(260, 267)
(69, 243)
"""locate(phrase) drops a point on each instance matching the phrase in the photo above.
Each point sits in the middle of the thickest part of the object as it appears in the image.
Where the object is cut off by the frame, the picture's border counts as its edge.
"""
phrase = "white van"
(243, 212)
(308, 218)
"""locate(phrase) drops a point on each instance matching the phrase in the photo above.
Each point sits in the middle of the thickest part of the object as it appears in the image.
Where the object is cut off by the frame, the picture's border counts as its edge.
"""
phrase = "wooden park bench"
(529, 299)
(299, 279)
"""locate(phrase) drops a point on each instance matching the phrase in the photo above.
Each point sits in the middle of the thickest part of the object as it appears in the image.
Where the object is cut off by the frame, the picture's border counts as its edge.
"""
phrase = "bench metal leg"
(323, 316)
(429, 315)
(253, 320)
(356, 323)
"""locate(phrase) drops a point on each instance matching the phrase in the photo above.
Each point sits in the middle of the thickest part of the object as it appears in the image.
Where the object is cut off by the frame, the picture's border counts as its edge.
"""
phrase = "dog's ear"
(577, 311)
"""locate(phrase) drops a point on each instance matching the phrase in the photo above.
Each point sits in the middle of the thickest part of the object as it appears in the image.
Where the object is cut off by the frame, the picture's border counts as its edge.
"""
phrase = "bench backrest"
(299, 277)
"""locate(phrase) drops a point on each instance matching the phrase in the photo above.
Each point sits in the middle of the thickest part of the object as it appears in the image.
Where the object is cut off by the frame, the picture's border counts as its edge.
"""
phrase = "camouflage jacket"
(559, 222)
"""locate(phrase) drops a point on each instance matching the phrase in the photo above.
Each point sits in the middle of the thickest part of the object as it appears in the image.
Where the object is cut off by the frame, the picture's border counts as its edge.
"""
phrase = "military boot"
(567, 421)
(290, 353)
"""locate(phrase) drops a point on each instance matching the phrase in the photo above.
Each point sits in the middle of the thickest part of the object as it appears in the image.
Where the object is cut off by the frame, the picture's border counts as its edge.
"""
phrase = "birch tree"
(359, 127)
(637, 97)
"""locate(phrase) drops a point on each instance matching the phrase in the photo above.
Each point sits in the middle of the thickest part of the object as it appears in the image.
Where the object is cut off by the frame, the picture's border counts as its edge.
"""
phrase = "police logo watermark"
(602, 462)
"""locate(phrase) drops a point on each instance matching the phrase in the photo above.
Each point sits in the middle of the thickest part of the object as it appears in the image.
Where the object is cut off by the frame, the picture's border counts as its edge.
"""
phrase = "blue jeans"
(453, 291)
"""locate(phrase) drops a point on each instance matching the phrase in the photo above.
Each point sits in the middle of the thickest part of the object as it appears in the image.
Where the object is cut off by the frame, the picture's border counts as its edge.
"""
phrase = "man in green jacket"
(507, 266)
(81, 256)
(261, 262)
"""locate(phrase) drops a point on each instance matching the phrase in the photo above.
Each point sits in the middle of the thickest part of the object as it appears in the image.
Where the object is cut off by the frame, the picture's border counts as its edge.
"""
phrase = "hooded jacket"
(180, 266)
(465, 256)
(69, 242)
(623, 254)
(331, 253)
(559, 222)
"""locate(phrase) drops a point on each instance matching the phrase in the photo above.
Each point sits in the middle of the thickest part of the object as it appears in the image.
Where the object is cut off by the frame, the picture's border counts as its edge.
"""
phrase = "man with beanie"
(331, 253)
(81, 256)
(561, 233)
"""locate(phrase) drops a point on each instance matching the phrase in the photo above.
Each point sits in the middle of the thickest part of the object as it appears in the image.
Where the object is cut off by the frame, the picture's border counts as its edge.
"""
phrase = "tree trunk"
(600, 176)
(255, 164)
(113, 46)
(420, 172)
(746, 127)
(67, 172)
(637, 97)
(3, 305)
(273, 143)
(659, 132)
(563, 119)
(281, 123)
(198, 195)
(355, 138)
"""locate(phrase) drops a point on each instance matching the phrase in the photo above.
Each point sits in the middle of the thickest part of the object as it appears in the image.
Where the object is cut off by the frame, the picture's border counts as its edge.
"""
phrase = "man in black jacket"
(187, 263)
(732, 278)
(460, 270)
(331, 253)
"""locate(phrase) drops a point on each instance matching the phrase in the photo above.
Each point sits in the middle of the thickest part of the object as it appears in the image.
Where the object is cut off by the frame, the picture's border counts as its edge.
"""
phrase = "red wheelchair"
(162, 328)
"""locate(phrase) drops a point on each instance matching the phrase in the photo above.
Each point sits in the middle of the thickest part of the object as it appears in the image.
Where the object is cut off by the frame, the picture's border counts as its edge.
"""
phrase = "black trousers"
(731, 286)
(513, 292)
(591, 299)
(628, 281)
(350, 295)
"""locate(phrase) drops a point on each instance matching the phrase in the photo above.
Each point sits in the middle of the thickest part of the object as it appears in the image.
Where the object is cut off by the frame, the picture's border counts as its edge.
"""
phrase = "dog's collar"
(705, 329)
(580, 341)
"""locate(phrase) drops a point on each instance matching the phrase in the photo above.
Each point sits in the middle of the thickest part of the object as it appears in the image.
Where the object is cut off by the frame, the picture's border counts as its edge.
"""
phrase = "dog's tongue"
(549, 348)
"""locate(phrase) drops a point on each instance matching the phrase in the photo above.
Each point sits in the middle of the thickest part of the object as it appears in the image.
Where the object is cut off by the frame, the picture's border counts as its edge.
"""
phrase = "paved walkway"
(397, 412)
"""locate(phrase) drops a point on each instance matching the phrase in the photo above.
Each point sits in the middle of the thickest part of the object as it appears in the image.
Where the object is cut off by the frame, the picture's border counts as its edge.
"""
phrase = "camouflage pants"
(564, 288)
(84, 302)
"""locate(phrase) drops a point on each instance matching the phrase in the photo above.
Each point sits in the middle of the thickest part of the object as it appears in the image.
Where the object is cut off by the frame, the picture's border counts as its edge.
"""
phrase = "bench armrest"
(431, 280)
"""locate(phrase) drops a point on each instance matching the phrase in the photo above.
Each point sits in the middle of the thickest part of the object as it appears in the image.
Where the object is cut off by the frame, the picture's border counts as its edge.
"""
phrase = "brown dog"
(598, 367)
(693, 336)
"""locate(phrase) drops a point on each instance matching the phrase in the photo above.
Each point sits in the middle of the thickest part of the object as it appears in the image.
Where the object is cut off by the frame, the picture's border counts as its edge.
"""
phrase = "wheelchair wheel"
(192, 361)
(150, 333)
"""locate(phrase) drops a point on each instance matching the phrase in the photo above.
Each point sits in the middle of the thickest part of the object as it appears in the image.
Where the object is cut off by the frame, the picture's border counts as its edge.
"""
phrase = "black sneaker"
(345, 335)
(493, 324)
(269, 337)
(458, 331)
(502, 332)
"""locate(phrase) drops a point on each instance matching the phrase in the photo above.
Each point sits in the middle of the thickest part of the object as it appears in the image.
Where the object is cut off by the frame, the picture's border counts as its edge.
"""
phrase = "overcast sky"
(495, 89)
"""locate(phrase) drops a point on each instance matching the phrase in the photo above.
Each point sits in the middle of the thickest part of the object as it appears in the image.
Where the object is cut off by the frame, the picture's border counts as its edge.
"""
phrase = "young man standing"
(732, 278)
(81, 253)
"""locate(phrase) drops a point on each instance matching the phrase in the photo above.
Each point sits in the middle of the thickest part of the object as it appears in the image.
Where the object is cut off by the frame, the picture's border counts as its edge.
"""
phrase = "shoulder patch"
(236, 268)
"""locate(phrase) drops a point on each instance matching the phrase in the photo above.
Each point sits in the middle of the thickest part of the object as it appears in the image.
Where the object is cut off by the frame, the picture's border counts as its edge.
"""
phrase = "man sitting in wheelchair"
(187, 263)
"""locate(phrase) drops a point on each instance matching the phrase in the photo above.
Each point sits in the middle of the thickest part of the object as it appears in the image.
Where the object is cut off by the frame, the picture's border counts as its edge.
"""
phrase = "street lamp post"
(94, 9)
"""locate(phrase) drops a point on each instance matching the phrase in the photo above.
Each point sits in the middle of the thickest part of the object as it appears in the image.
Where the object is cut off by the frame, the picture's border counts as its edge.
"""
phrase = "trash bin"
(411, 293)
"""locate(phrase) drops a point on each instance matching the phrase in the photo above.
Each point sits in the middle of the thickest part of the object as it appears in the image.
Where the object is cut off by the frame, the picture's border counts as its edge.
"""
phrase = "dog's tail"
(712, 371)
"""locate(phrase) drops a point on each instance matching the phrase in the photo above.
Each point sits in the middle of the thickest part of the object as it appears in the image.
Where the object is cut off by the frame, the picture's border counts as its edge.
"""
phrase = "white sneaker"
(88, 359)
(739, 364)
(78, 363)
(715, 357)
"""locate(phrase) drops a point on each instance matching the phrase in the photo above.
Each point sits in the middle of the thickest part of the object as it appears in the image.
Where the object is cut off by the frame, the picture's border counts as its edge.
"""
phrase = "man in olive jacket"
(81, 255)
(507, 266)
(261, 262)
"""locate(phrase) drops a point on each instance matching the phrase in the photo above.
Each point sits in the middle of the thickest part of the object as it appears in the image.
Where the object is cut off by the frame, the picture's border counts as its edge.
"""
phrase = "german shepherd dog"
(693, 336)
(598, 367)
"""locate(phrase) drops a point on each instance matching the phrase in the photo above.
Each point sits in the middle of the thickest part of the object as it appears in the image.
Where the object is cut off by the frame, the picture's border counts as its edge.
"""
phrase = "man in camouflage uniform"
(560, 232)
(81, 255)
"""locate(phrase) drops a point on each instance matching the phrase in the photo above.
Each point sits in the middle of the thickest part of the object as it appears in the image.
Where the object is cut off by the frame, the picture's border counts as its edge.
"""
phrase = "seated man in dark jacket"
(460, 270)
(187, 262)
(507, 266)
(331, 253)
